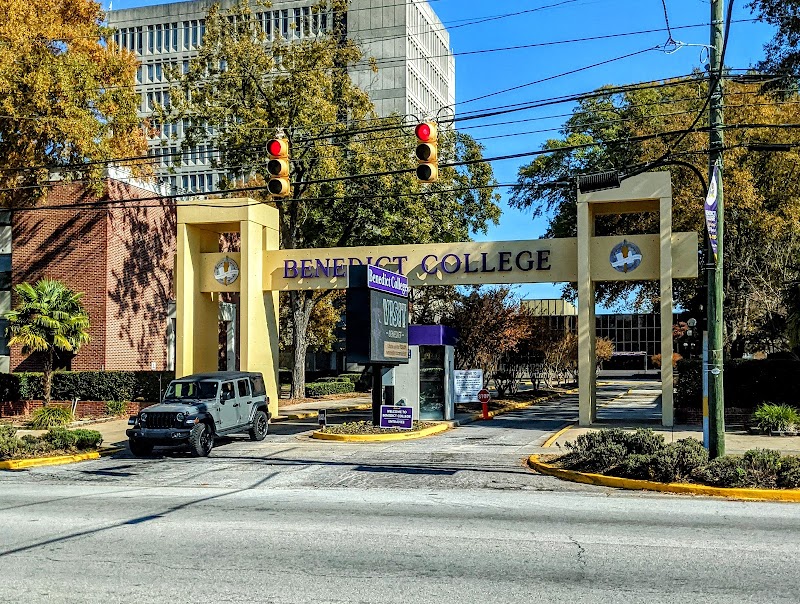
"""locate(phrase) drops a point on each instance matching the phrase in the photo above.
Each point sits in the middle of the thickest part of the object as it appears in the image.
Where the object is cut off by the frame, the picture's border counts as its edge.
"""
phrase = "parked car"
(198, 408)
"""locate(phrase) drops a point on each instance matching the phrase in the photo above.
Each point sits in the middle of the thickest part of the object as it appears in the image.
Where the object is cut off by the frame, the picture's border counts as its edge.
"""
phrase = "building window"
(150, 37)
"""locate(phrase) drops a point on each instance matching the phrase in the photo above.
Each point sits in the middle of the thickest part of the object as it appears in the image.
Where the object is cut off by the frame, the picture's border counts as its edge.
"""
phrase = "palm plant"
(49, 317)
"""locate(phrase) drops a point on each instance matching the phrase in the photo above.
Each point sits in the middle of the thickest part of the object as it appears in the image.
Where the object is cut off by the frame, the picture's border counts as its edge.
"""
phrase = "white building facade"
(415, 78)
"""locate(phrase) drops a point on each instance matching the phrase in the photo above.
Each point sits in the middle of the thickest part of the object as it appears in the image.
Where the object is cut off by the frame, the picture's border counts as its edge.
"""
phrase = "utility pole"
(716, 404)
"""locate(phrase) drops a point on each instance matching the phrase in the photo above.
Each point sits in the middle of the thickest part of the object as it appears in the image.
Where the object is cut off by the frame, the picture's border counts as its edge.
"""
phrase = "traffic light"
(428, 168)
(278, 167)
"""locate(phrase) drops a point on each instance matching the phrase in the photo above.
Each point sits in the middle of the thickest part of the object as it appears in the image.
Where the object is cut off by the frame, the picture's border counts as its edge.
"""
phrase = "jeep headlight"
(142, 416)
(180, 417)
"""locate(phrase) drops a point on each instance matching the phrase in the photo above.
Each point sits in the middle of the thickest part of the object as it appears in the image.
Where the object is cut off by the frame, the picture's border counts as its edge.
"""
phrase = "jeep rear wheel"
(201, 440)
(260, 426)
(139, 448)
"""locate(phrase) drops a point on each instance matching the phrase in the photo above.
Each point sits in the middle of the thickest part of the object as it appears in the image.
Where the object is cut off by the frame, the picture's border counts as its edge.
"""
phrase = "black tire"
(201, 440)
(139, 448)
(260, 426)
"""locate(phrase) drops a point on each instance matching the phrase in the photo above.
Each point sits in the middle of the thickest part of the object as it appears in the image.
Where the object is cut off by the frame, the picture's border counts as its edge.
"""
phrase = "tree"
(67, 100)
(242, 90)
(782, 54)
(762, 194)
(490, 326)
(49, 317)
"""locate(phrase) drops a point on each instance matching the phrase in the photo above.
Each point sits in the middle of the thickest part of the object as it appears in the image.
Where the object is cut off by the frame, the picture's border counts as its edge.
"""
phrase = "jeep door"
(228, 409)
(245, 400)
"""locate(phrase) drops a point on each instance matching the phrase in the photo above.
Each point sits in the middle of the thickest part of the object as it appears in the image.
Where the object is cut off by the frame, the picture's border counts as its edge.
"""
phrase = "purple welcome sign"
(386, 281)
(396, 417)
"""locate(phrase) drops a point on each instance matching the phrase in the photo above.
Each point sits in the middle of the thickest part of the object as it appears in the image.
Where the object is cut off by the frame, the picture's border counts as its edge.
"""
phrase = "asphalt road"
(455, 518)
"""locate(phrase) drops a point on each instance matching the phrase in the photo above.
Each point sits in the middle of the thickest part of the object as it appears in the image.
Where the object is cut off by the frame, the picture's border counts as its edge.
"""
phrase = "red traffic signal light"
(278, 167)
(427, 152)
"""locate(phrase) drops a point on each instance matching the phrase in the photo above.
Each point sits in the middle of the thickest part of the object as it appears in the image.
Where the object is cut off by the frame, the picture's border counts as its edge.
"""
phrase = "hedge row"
(315, 389)
(748, 383)
(645, 455)
(86, 385)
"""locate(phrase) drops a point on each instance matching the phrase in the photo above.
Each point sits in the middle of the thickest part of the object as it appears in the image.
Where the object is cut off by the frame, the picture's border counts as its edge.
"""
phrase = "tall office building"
(416, 70)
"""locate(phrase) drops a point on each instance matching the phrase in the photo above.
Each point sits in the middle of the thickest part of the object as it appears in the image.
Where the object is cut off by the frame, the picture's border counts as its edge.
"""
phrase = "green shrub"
(776, 418)
(44, 418)
(60, 438)
(116, 407)
(789, 473)
(353, 377)
(669, 463)
(315, 389)
(54, 441)
(87, 439)
(757, 468)
(9, 443)
(761, 468)
(723, 471)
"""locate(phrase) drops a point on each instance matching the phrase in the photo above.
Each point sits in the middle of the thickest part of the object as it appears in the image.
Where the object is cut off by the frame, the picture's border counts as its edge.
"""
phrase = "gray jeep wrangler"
(197, 408)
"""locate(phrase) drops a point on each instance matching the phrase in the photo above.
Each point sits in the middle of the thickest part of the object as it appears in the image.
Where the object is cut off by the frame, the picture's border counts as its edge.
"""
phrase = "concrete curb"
(22, 464)
(510, 407)
(554, 437)
(787, 495)
(382, 437)
(310, 414)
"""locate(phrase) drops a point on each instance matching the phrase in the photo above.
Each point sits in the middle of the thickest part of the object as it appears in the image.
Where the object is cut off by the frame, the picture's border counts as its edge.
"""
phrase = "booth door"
(431, 382)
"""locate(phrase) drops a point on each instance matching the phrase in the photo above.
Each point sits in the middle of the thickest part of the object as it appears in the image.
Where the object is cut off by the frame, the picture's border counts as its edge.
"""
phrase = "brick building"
(120, 255)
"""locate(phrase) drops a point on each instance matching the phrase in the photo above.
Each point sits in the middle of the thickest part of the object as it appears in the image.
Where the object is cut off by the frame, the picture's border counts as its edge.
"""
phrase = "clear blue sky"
(485, 73)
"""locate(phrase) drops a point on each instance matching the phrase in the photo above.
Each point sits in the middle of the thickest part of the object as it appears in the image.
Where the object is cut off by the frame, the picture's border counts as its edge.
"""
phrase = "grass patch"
(366, 427)
(645, 455)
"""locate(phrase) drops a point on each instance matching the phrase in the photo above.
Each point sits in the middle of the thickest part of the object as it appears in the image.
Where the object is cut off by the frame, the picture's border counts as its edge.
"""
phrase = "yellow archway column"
(648, 192)
(200, 226)
(196, 311)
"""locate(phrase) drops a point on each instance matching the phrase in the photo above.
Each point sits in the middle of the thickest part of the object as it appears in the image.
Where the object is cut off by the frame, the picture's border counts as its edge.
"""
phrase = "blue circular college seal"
(626, 257)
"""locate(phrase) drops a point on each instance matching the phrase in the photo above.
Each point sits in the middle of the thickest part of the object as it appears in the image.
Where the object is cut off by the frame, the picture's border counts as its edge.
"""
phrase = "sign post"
(484, 397)
(322, 417)
(377, 324)
(468, 383)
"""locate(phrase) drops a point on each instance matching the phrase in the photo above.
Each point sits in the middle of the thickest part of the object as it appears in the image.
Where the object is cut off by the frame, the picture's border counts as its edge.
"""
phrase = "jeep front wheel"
(260, 426)
(140, 448)
(201, 440)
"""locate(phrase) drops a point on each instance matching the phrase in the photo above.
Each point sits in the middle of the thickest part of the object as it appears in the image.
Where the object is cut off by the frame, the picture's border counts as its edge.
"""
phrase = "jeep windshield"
(191, 390)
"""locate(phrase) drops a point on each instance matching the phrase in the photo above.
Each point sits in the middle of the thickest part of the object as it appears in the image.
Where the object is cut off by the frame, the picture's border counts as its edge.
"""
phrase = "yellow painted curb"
(21, 464)
(788, 495)
(295, 416)
(514, 407)
(381, 437)
(549, 442)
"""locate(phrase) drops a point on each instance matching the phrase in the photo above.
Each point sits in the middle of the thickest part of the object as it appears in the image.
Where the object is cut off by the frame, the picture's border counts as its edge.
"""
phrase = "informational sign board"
(377, 319)
(468, 382)
(396, 417)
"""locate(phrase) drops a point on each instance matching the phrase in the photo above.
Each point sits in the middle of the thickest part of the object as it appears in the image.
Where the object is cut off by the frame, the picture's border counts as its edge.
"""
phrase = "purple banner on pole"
(396, 417)
(386, 281)
(710, 207)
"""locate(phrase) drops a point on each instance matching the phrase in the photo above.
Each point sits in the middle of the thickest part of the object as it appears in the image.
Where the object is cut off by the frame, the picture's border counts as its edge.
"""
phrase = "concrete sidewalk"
(640, 407)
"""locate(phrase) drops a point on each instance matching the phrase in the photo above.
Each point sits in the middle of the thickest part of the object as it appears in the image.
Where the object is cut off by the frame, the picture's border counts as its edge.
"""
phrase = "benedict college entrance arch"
(261, 270)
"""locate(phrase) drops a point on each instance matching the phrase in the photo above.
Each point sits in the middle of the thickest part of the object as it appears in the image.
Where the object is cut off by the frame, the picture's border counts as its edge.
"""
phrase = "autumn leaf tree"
(67, 99)
(490, 326)
(351, 171)
(762, 193)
